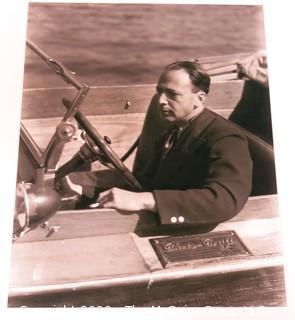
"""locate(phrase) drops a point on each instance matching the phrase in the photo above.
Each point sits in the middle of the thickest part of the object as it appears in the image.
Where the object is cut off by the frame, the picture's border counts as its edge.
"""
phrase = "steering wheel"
(95, 147)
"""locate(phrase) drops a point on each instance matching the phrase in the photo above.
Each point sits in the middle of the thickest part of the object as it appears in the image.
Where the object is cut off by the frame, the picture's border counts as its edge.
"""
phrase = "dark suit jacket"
(204, 179)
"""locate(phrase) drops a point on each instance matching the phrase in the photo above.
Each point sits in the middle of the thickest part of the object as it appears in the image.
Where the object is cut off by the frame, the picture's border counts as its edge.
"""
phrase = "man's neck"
(194, 114)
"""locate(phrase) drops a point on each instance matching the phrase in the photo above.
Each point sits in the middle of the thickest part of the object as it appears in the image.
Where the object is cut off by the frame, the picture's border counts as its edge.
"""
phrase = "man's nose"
(162, 99)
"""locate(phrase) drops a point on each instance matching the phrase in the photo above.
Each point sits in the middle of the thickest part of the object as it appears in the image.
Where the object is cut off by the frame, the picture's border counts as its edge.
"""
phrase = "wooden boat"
(99, 257)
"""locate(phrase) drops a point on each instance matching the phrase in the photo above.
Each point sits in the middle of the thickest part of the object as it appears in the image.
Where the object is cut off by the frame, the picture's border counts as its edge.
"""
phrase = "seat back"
(262, 154)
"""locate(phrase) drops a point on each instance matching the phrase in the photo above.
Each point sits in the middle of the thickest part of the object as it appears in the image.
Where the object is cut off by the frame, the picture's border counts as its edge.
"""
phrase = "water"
(115, 44)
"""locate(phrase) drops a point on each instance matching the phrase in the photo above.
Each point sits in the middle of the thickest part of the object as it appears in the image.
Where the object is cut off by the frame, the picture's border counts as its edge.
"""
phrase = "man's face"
(176, 96)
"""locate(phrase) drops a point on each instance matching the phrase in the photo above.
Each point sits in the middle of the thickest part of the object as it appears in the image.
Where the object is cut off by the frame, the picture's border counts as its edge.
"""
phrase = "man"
(199, 172)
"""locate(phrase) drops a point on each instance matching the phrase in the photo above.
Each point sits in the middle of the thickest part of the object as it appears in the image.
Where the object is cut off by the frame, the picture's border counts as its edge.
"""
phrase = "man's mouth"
(166, 112)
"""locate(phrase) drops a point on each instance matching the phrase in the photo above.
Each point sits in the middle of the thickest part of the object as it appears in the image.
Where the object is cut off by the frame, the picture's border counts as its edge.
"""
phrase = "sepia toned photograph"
(146, 171)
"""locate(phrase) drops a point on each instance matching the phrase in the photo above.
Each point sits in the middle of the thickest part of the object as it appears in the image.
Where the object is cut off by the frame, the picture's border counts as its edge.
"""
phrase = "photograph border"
(278, 22)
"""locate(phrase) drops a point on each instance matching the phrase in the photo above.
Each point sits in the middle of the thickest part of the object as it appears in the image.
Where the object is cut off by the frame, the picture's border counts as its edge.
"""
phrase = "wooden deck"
(99, 257)
(46, 103)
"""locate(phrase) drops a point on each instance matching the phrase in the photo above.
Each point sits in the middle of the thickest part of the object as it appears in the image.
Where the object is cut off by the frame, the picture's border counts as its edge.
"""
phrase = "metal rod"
(52, 152)
(31, 145)
(57, 66)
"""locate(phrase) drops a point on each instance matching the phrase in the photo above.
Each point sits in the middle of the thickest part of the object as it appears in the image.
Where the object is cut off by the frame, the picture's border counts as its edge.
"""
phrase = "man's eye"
(172, 94)
(159, 91)
(168, 93)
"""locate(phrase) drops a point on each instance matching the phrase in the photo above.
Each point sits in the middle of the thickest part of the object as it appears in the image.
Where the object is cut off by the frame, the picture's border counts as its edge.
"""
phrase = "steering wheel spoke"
(97, 147)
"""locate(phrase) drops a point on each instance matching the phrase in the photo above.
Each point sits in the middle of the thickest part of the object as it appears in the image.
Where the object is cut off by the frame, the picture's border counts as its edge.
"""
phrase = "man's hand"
(255, 67)
(126, 200)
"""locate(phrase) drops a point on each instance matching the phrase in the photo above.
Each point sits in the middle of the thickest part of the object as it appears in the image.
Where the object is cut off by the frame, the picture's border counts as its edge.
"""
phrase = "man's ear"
(201, 95)
(200, 98)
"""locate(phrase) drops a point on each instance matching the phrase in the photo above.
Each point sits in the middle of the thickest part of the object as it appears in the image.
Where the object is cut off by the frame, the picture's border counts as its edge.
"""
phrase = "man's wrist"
(149, 201)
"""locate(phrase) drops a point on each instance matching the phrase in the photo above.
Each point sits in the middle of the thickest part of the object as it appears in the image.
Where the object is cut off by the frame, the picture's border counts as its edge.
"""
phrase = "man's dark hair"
(198, 76)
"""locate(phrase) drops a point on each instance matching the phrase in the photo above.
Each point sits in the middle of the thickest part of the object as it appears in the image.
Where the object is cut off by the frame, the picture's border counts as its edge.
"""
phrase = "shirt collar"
(181, 128)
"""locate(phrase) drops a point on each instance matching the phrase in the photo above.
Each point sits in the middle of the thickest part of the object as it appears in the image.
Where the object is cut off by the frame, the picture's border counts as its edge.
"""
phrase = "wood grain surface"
(255, 288)
(47, 103)
(95, 256)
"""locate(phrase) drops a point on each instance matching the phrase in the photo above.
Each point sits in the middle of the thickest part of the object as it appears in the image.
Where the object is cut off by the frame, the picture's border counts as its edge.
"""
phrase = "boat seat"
(262, 154)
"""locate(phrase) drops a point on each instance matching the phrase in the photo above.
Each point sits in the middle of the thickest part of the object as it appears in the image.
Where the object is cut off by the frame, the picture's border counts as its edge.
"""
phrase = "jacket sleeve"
(225, 190)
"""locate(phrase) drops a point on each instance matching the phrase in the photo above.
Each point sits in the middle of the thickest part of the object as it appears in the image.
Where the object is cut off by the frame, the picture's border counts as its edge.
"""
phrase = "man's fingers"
(103, 195)
(107, 205)
(106, 199)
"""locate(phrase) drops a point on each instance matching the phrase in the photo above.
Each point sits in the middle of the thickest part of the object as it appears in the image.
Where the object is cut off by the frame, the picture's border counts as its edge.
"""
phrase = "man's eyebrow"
(168, 90)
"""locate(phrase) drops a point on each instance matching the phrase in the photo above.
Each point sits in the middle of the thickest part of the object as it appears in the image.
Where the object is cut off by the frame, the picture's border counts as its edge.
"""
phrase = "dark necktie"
(171, 139)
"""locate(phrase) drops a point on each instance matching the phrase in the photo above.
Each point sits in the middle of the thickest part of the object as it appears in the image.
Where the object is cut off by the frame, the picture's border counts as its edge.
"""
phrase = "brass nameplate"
(182, 249)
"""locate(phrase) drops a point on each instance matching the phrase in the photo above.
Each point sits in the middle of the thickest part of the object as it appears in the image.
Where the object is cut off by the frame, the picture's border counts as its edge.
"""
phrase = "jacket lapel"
(194, 137)
(189, 141)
